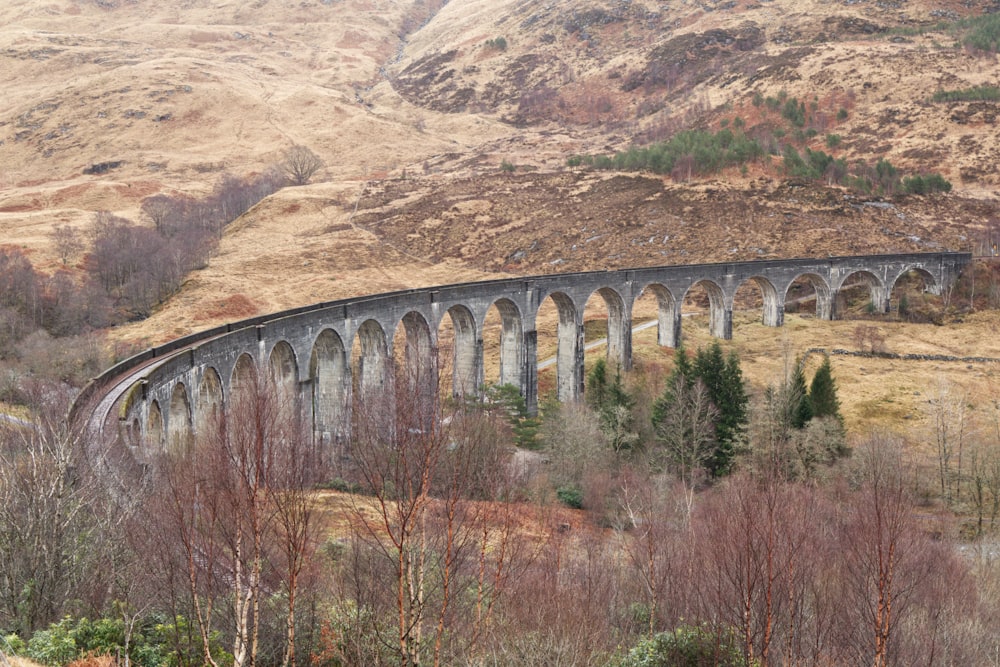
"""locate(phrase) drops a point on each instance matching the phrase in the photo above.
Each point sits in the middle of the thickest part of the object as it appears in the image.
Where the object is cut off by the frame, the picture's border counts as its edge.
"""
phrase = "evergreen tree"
(524, 426)
(799, 406)
(613, 405)
(732, 401)
(597, 385)
(823, 392)
(723, 382)
(683, 374)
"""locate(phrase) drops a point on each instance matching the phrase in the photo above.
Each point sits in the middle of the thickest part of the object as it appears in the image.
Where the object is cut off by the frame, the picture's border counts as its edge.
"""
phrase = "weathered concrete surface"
(162, 397)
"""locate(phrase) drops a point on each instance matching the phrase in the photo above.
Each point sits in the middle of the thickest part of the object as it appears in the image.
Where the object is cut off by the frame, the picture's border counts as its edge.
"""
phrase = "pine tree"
(524, 426)
(613, 405)
(823, 392)
(682, 373)
(597, 385)
(723, 382)
(732, 400)
(799, 406)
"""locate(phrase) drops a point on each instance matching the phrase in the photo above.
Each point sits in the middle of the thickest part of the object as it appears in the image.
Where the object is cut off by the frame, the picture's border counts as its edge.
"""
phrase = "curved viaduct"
(162, 395)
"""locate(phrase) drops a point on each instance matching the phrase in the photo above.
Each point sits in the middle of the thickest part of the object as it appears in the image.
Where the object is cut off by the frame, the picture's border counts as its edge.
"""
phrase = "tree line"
(717, 521)
(117, 270)
(690, 153)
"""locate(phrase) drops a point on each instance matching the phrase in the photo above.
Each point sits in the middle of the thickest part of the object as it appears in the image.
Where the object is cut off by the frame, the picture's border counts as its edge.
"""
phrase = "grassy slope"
(413, 114)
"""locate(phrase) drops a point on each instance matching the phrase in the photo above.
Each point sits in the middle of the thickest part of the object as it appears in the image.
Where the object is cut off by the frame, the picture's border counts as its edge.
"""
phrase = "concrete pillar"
(670, 326)
(721, 321)
(620, 340)
(880, 299)
(774, 314)
(478, 372)
(579, 370)
(529, 372)
(824, 304)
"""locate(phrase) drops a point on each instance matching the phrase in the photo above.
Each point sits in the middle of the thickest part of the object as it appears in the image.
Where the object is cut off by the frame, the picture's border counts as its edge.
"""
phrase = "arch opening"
(759, 294)
(912, 295)
(372, 391)
(460, 357)
(244, 378)
(154, 428)
(179, 436)
(208, 403)
(561, 349)
(503, 345)
(704, 302)
(416, 364)
(809, 291)
(860, 292)
(607, 328)
(330, 376)
(656, 304)
(282, 375)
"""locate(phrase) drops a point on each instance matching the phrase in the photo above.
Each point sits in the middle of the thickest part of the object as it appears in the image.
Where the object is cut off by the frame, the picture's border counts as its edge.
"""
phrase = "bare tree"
(949, 411)
(300, 164)
(67, 240)
(160, 209)
(53, 525)
(686, 432)
(439, 522)
(238, 522)
(882, 561)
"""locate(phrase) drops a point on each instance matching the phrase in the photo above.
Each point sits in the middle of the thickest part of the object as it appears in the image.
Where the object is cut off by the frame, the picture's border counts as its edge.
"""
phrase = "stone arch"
(282, 375)
(719, 316)
(467, 353)
(128, 413)
(244, 377)
(208, 402)
(179, 432)
(569, 348)
(772, 312)
(373, 365)
(417, 374)
(931, 283)
(330, 375)
(619, 348)
(154, 427)
(824, 296)
(877, 291)
(900, 280)
(667, 320)
(511, 344)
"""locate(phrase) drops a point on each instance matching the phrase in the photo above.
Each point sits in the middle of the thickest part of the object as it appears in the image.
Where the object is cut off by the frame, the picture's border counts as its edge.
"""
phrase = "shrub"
(976, 94)
(919, 185)
(984, 33)
(497, 43)
(688, 646)
(54, 646)
(570, 496)
(832, 140)
(507, 167)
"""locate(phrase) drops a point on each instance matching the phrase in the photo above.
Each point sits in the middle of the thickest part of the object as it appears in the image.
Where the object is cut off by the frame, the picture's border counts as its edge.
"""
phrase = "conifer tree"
(613, 405)
(723, 382)
(823, 392)
(799, 406)
(683, 373)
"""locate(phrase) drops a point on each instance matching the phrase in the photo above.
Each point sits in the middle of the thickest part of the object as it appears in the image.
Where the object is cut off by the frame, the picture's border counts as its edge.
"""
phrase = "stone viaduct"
(165, 394)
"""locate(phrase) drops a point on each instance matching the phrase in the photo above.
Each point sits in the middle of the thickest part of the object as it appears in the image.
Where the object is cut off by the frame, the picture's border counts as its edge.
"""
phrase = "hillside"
(415, 106)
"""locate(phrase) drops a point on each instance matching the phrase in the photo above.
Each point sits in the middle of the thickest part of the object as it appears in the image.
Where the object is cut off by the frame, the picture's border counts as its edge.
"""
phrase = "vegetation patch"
(975, 94)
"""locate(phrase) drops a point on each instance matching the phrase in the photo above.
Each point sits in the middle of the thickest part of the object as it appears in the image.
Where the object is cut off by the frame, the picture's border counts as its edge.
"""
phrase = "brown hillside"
(415, 105)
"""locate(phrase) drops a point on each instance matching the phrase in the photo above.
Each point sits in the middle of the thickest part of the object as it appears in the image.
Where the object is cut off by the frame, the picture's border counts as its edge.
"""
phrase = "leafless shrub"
(300, 164)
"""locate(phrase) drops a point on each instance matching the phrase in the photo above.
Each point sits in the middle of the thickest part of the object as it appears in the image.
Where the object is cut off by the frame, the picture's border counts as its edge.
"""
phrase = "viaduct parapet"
(164, 395)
